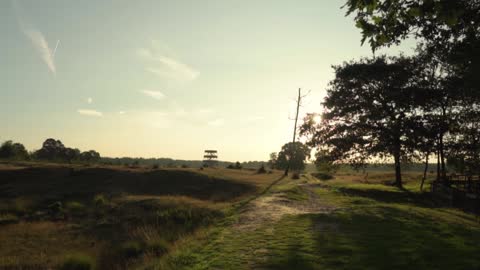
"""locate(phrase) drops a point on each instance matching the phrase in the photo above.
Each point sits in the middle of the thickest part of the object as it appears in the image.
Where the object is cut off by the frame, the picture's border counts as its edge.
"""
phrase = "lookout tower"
(210, 158)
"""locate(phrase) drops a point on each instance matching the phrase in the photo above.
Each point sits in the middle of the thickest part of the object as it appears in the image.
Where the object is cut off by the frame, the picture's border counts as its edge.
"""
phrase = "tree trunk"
(398, 171)
(299, 100)
(438, 165)
(425, 171)
(442, 157)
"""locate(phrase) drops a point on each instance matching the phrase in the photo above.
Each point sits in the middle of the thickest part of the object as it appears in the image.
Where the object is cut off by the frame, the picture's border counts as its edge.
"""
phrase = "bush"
(75, 208)
(184, 166)
(99, 200)
(261, 170)
(132, 249)
(157, 246)
(78, 262)
(323, 176)
(295, 175)
(155, 167)
(8, 219)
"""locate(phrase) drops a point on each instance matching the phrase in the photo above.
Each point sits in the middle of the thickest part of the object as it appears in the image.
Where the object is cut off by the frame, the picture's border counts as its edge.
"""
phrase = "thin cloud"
(153, 94)
(38, 41)
(216, 122)
(161, 63)
(90, 112)
(254, 119)
(89, 100)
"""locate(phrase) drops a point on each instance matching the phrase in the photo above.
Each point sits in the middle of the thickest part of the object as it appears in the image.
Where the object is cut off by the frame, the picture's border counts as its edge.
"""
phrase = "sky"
(154, 78)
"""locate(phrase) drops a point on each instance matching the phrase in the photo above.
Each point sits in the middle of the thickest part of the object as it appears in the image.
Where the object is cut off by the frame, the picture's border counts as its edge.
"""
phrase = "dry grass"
(59, 210)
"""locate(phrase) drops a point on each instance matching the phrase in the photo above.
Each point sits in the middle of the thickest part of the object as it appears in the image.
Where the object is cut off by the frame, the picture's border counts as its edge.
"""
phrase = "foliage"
(324, 162)
(78, 262)
(293, 155)
(261, 169)
(323, 176)
(11, 150)
(272, 162)
(55, 150)
(368, 112)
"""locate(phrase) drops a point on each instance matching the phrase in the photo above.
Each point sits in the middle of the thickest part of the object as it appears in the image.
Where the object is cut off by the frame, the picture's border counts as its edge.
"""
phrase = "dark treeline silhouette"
(176, 163)
(55, 151)
(52, 150)
(405, 109)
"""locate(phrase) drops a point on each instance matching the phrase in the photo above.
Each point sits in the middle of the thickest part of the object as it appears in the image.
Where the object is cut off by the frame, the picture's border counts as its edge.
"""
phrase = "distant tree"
(70, 154)
(324, 162)
(294, 154)
(261, 170)
(11, 150)
(273, 160)
(238, 166)
(51, 150)
(91, 156)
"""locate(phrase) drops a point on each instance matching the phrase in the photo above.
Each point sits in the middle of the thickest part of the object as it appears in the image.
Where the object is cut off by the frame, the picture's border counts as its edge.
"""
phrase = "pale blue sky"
(167, 78)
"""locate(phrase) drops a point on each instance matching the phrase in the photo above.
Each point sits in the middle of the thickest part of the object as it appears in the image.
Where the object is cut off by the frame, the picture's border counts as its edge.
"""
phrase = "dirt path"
(275, 204)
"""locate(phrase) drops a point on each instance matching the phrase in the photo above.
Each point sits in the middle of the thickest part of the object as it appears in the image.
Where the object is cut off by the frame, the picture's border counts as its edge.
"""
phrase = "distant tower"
(210, 158)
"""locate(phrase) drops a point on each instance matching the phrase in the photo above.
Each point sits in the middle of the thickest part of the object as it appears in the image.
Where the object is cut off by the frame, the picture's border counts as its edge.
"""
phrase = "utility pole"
(299, 99)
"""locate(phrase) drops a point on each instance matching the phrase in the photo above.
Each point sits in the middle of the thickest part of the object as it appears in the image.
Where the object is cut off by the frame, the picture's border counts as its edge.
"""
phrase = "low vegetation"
(77, 217)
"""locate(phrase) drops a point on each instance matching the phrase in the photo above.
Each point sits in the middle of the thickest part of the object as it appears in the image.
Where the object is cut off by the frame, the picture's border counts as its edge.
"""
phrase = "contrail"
(55, 50)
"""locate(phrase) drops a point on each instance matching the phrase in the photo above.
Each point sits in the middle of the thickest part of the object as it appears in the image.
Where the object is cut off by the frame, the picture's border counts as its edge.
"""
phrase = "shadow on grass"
(390, 238)
(400, 196)
(61, 183)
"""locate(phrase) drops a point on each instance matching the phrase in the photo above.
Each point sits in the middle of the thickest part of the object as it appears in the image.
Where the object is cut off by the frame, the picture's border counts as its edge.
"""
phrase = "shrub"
(261, 170)
(75, 208)
(132, 249)
(295, 175)
(100, 200)
(78, 262)
(323, 176)
(8, 219)
(155, 167)
(185, 166)
(157, 246)
(230, 166)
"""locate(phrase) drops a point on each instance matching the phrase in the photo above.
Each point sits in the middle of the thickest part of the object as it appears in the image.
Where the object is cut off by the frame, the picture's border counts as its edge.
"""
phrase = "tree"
(294, 154)
(369, 112)
(51, 150)
(447, 28)
(11, 150)
(273, 160)
(94, 156)
(324, 161)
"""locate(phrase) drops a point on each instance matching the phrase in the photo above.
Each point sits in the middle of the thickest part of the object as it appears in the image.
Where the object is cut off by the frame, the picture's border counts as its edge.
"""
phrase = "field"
(140, 218)
(113, 217)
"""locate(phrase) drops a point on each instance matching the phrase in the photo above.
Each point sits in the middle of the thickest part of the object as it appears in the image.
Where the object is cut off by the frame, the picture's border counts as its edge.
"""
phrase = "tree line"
(52, 150)
(406, 108)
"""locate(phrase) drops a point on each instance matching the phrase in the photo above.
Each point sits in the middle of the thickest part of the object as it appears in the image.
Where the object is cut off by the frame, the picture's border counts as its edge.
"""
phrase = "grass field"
(111, 217)
(119, 218)
(345, 223)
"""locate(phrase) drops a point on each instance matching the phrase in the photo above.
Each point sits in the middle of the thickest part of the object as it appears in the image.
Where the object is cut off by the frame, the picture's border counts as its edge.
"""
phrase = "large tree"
(293, 156)
(11, 150)
(449, 29)
(369, 112)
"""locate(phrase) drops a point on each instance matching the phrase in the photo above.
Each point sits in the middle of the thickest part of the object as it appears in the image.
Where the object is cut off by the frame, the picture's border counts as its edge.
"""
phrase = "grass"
(373, 226)
(119, 218)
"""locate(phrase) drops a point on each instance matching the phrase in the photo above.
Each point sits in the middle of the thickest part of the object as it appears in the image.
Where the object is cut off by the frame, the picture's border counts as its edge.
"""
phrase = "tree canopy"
(293, 155)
